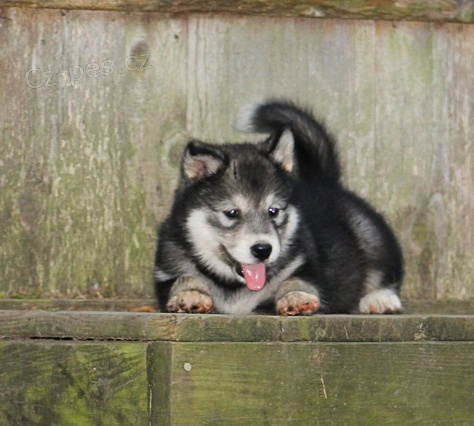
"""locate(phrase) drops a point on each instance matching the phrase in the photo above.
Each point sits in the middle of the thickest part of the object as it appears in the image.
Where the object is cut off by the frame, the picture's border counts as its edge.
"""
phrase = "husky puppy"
(269, 227)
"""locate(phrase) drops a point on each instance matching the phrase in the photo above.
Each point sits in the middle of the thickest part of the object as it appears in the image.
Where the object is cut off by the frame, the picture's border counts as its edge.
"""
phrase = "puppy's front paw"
(190, 301)
(298, 303)
(382, 301)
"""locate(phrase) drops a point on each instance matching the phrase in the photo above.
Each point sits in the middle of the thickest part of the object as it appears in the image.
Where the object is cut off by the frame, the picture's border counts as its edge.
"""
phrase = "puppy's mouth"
(254, 274)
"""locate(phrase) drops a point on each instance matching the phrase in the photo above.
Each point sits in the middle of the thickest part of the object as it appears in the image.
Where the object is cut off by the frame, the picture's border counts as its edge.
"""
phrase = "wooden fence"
(97, 104)
(98, 99)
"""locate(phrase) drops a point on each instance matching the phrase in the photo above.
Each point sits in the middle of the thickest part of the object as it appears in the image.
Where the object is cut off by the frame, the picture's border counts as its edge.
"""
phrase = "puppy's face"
(243, 221)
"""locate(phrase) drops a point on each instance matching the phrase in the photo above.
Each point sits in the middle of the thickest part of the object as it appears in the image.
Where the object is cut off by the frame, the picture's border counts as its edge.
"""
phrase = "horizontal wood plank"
(52, 383)
(97, 305)
(225, 328)
(318, 384)
(423, 10)
(411, 307)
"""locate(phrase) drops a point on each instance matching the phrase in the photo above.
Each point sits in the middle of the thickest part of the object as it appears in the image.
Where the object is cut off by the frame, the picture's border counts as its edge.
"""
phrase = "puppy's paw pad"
(190, 301)
(298, 303)
(383, 301)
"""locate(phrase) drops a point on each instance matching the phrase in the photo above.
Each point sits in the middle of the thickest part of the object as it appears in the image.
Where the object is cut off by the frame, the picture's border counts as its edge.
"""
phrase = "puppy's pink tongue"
(254, 275)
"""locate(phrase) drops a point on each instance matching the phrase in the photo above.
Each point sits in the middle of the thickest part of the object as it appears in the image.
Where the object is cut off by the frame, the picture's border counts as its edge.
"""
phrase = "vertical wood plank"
(404, 134)
(322, 384)
(424, 159)
(73, 384)
(82, 159)
(160, 363)
(458, 207)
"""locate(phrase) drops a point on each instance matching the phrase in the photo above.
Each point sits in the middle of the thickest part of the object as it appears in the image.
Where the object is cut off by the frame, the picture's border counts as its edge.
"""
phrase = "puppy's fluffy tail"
(315, 149)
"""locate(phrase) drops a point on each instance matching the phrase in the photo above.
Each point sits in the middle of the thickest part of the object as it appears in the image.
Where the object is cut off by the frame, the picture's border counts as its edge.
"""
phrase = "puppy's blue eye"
(273, 212)
(232, 213)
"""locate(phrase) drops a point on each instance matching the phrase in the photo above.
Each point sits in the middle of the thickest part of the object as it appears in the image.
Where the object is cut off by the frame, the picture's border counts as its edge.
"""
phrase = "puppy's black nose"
(261, 251)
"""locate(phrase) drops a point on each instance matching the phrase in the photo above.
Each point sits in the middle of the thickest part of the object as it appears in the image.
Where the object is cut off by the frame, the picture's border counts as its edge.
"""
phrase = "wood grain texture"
(51, 383)
(410, 307)
(431, 116)
(420, 10)
(225, 328)
(160, 383)
(101, 305)
(318, 384)
(84, 168)
(88, 167)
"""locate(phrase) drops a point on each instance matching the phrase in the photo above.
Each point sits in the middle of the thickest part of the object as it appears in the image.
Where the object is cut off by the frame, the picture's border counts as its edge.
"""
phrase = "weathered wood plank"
(85, 167)
(431, 154)
(52, 383)
(86, 325)
(422, 10)
(410, 307)
(408, 155)
(318, 384)
(82, 383)
(160, 362)
(101, 305)
(456, 206)
(223, 328)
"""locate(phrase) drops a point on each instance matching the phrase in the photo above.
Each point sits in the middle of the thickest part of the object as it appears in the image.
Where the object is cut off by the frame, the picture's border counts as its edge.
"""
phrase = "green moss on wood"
(223, 328)
(447, 11)
(69, 384)
(321, 384)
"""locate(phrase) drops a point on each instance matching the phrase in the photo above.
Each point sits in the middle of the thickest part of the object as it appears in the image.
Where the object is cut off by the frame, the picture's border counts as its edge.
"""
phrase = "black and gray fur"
(281, 203)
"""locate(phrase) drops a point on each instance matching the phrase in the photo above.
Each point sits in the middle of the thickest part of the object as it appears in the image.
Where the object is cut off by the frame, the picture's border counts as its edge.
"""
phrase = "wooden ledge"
(418, 10)
(224, 328)
(162, 369)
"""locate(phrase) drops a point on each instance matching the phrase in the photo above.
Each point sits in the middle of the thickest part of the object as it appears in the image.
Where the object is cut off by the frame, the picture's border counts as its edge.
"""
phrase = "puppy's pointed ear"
(201, 160)
(282, 150)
